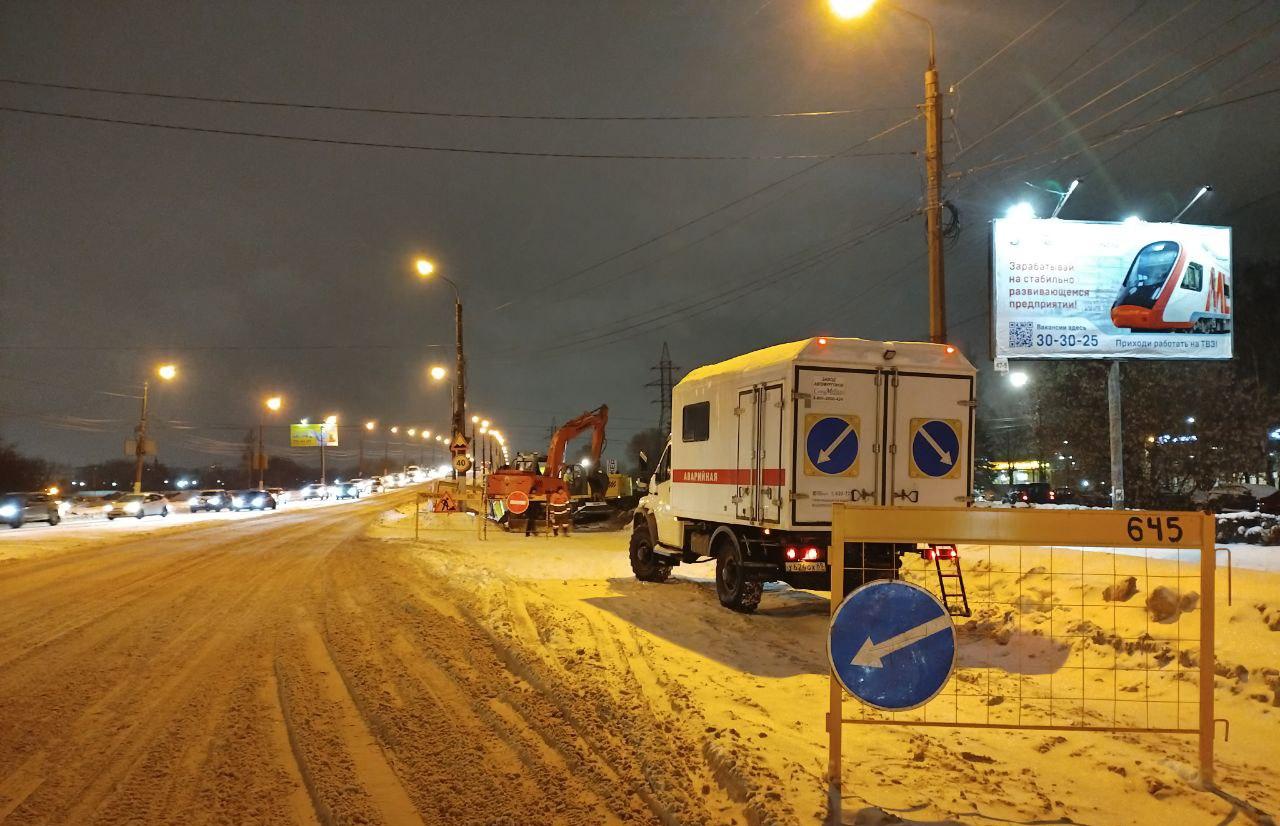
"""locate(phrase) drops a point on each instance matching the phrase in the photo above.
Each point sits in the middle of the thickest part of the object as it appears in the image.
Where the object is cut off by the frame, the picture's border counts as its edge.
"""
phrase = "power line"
(432, 113)
(685, 310)
(1011, 43)
(1052, 93)
(715, 211)
(1198, 67)
(465, 150)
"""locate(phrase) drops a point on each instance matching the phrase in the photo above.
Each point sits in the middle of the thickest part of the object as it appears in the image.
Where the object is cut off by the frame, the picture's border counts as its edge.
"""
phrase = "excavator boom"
(596, 419)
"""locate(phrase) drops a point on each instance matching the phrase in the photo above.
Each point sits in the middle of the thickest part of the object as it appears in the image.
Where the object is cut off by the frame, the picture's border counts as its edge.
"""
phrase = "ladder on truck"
(955, 598)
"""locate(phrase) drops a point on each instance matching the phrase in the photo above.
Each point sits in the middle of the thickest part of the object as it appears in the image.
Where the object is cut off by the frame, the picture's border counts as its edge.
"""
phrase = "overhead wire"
(1202, 65)
(653, 239)
(1025, 33)
(685, 310)
(1198, 67)
(465, 150)
(1053, 93)
(435, 113)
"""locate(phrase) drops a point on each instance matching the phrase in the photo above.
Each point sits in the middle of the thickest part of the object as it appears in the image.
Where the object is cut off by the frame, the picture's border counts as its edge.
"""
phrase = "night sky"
(263, 265)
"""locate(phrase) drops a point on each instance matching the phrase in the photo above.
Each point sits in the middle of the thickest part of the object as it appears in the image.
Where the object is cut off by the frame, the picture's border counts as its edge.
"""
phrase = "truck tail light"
(933, 552)
(792, 554)
(810, 554)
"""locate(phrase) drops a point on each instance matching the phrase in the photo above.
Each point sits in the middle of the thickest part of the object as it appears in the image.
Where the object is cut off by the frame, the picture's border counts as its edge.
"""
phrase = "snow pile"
(1252, 527)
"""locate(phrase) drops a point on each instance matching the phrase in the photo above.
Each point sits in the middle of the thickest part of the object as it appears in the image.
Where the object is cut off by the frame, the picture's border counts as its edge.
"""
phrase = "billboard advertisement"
(312, 434)
(1089, 290)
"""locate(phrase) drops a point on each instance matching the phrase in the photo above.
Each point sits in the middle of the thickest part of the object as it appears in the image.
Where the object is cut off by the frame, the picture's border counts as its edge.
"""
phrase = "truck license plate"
(807, 567)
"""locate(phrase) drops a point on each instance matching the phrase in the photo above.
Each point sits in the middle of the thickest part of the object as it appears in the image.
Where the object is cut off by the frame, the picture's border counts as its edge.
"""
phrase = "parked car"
(1034, 493)
(253, 500)
(19, 508)
(315, 490)
(1270, 504)
(215, 499)
(138, 505)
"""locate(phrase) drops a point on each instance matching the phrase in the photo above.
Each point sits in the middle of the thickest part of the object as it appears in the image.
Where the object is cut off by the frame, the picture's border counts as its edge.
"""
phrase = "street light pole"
(426, 269)
(849, 9)
(140, 446)
(933, 197)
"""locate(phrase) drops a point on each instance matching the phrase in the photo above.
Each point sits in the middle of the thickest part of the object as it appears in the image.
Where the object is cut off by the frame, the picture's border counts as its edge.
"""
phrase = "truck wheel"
(732, 586)
(645, 564)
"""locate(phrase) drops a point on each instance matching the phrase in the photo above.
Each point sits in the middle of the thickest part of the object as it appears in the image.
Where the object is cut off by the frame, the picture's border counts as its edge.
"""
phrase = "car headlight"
(258, 500)
(238, 501)
(64, 508)
(108, 508)
(215, 500)
(8, 511)
(132, 507)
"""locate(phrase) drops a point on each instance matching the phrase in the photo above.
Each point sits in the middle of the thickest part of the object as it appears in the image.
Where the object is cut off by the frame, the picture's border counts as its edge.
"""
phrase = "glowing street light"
(167, 372)
(851, 9)
(427, 270)
(272, 403)
(413, 431)
(438, 373)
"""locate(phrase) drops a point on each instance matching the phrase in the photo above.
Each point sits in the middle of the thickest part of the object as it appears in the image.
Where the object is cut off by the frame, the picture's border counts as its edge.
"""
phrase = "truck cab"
(763, 444)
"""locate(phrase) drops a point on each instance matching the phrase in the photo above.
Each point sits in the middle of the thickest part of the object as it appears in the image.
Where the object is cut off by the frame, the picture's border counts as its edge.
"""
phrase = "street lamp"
(848, 10)
(1018, 379)
(428, 270)
(274, 403)
(437, 373)
(167, 372)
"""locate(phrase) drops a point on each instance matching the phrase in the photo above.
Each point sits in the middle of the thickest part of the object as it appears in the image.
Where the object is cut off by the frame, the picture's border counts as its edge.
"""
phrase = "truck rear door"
(930, 429)
(837, 455)
(760, 476)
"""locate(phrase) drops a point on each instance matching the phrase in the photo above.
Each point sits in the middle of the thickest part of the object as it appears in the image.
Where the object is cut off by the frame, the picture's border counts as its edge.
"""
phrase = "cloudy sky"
(262, 264)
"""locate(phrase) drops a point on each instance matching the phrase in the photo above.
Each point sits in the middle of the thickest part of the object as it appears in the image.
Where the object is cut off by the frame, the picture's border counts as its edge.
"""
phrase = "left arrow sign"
(871, 653)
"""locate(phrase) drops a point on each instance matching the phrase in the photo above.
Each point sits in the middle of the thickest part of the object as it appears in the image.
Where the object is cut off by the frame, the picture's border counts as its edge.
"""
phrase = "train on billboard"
(1086, 289)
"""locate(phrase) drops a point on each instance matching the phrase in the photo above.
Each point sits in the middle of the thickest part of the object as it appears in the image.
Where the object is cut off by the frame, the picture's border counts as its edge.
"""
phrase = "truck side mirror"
(643, 461)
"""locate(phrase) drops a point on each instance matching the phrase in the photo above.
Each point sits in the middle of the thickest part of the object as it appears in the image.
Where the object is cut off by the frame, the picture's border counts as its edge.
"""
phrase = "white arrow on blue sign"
(892, 645)
(935, 449)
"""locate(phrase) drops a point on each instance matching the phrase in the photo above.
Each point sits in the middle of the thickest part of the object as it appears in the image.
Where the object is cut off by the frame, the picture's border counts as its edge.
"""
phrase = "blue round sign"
(935, 449)
(892, 645)
(832, 445)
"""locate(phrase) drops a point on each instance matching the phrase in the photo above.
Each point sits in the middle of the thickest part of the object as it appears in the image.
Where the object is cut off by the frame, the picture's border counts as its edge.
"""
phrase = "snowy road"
(275, 669)
(319, 666)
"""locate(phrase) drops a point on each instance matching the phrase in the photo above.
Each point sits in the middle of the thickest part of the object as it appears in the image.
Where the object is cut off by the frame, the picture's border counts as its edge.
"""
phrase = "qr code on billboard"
(1020, 333)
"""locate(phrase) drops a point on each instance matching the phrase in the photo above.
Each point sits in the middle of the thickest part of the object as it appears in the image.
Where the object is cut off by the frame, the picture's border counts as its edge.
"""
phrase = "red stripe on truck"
(770, 476)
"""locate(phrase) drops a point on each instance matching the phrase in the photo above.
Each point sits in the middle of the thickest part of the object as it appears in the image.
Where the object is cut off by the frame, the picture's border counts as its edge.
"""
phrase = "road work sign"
(892, 645)
(830, 445)
(935, 448)
(517, 502)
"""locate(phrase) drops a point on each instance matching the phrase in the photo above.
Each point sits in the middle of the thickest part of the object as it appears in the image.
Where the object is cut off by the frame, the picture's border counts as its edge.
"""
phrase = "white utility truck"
(763, 444)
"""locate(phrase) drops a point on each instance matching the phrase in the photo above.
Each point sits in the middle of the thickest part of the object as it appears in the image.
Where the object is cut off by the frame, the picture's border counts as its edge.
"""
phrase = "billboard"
(312, 434)
(1088, 290)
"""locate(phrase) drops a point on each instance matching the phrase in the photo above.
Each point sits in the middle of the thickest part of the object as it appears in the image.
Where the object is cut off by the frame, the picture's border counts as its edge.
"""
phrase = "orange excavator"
(540, 485)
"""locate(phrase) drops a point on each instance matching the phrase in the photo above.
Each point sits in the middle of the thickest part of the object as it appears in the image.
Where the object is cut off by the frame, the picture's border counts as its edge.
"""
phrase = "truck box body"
(772, 438)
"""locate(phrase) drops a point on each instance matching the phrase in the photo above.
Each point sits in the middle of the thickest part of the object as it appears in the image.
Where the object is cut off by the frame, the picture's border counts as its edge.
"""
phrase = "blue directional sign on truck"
(892, 645)
(831, 445)
(935, 448)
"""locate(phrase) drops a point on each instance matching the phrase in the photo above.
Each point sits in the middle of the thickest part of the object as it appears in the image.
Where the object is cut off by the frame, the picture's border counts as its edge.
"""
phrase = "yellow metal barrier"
(1060, 580)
